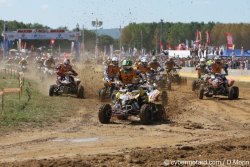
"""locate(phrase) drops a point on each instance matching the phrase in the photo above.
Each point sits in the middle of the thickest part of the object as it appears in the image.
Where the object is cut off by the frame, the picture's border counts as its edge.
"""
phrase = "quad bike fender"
(230, 82)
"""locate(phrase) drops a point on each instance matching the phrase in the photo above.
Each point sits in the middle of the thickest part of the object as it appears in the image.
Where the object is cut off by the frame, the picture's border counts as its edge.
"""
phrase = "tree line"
(149, 35)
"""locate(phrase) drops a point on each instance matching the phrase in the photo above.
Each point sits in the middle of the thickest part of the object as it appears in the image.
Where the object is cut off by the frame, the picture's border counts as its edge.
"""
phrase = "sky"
(116, 13)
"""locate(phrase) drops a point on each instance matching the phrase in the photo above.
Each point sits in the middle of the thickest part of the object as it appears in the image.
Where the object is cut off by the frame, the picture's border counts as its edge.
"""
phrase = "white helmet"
(66, 61)
(114, 60)
(154, 58)
(217, 59)
(202, 60)
(144, 60)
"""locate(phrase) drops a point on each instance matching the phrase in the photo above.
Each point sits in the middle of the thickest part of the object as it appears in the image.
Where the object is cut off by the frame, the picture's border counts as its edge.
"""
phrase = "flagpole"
(4, 41)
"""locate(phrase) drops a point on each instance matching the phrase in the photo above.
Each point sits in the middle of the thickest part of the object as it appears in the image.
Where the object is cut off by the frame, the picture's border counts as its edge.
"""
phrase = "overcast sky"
(116, 13)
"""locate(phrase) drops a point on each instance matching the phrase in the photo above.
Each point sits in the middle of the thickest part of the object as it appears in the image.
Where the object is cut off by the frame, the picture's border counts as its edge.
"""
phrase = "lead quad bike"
(133, 102)
(70, 85)
(218, 85)
(174, 77)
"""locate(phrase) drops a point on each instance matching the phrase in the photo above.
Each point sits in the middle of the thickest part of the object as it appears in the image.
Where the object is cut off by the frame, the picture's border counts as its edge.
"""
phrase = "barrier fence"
(12, 74)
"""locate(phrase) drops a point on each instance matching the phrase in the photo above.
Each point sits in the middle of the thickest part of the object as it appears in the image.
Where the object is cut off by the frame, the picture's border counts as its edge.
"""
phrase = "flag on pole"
(229, 41)
(198, 38)
(161, 46)
(208, 41)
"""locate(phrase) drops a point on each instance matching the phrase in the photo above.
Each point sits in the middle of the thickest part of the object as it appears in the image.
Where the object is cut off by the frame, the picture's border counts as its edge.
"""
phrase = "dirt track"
(209, 129)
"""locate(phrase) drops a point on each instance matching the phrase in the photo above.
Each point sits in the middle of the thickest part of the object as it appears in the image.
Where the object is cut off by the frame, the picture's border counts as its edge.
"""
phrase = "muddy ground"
(210, 129)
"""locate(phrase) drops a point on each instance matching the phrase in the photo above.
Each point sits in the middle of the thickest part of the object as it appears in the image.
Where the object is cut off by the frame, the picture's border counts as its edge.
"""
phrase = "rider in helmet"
(170, 64)
(23, 62)
(155, 65)
(49, 62)
(64, 69)
(217, 65)
(143, 66)
(201, 67)
(127, 74)
(111, 70)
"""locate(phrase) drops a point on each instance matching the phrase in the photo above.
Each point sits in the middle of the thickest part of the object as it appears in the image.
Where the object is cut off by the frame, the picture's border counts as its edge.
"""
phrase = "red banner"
(161, 45)
(229, 41)
(198, 38)
(208, 41)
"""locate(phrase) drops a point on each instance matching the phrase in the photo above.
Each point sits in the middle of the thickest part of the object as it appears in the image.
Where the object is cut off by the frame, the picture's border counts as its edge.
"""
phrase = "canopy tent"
(236, 52)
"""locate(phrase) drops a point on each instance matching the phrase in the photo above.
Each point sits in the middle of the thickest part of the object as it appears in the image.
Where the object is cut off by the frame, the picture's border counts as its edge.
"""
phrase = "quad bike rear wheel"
(160, 114)
(80, 92)
(236, 92)
(231, 93)
(105, 113)
(145, 114)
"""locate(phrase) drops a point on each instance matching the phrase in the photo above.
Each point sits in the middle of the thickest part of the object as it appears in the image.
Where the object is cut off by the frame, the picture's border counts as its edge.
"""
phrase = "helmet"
(115, 60)
(217, 59)
(144, 61)
(202, 60)
(127, 64)
(154, 58)
(66, 61)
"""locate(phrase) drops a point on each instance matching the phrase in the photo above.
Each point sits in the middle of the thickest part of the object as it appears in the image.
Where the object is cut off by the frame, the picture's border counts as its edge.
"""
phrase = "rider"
(49, 63)
(111, 71)
(155, 65)
(170, 64)
(63, 70)
(201, 67)
(217, 65)
(143, 66)
(127, 74)
(23, 62)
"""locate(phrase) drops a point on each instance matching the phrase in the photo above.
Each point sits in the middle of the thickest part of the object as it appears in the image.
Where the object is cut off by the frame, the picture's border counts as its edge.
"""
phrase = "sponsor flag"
(229, 41)
(208, 40)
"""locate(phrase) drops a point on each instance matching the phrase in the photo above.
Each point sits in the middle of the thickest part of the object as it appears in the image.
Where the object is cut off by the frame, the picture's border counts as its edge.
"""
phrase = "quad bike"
(174, 77)
(133, 102)
(70, 85)
(47, 73)
(108, 90)
(218, 85)
(24, 68)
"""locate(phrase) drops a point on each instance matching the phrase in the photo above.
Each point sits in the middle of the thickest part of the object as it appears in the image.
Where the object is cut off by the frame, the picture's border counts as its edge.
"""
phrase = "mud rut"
(209, 128)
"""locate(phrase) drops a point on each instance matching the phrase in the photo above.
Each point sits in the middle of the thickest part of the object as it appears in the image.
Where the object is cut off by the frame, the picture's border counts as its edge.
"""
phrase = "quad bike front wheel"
(201, 92)
(164, 97)
(52, 90)
(105, 113)
(194, 83)
(145, 114)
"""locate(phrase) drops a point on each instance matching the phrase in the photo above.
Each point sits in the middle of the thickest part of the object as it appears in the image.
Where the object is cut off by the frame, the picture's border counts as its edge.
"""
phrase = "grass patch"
(34, 108)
